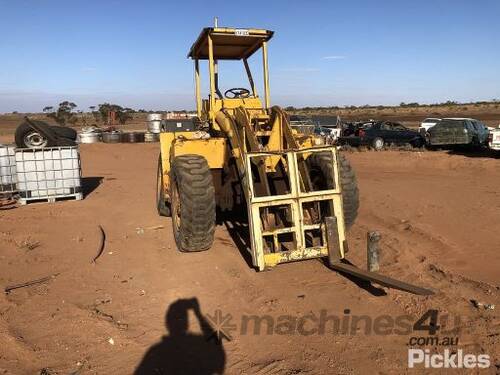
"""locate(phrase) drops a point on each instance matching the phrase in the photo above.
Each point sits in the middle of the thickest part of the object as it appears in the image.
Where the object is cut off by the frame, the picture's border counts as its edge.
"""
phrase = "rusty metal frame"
(294, 199)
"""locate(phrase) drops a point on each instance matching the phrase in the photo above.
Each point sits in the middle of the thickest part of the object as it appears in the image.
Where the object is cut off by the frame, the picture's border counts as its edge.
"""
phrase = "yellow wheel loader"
(300, 194)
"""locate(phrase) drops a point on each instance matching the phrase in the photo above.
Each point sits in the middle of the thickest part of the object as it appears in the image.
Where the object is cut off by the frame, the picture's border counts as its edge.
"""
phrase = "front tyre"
(417, 143)
(321, 166)
(192, 203)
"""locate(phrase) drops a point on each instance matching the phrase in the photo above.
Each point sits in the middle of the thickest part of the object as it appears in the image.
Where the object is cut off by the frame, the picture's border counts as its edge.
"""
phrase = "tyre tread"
(348, 182)
(196, 191)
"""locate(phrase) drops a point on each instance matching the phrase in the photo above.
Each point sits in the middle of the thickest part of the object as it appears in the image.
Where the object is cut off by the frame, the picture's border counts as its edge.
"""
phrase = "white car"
(429, 123)
(494, 139)
(331, 133)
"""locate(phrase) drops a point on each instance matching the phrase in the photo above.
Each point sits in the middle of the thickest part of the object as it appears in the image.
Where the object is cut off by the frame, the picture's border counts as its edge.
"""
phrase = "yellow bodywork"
(182, 143)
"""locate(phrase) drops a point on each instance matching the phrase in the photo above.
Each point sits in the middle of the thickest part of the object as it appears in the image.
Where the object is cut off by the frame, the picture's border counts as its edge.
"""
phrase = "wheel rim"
(35, 140)
(159, 186)
(379, 144)
(176, 207)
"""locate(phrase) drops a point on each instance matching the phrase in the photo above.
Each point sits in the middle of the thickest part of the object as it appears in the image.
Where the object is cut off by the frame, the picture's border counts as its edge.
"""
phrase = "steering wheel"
(237, 93)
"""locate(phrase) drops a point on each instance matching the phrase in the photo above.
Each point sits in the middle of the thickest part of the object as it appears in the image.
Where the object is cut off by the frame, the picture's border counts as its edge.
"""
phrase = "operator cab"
(221, 43)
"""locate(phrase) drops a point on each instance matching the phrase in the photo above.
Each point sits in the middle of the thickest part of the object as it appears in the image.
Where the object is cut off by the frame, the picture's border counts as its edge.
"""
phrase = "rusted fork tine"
(380, 279)
(335, 263)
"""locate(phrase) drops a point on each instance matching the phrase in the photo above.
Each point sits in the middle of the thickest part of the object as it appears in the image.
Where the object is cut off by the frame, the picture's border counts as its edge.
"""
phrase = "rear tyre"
(417, 143)
(430, 147)
(192, 203)
(475, 145)
(27, 137)
(161, 202)
(321, 168)
(378, 144)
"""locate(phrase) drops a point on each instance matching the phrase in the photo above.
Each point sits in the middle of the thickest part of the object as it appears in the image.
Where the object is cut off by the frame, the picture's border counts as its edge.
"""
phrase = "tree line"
(67, 114)
(402, 105)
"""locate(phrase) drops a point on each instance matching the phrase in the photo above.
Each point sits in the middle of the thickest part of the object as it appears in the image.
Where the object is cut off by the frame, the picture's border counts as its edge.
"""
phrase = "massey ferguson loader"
(300, 194)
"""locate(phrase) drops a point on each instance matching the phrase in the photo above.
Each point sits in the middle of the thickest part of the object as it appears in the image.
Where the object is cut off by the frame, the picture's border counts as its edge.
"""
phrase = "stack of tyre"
(48, 135)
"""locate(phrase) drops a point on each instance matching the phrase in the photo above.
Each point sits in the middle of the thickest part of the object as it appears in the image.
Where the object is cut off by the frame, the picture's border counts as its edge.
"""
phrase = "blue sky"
(352, 52)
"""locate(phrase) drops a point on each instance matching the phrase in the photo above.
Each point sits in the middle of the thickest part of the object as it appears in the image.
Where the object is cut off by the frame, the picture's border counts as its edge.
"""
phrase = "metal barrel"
(154, 126)
(133, 137)
(124, 138)
(151, 137)
(111, 137)
(154, 122)
(154, 116)
(139, 137)
(91, 137)
(128, 137)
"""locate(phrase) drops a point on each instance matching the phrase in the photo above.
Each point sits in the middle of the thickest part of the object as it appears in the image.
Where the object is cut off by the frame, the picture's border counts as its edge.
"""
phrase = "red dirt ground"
(438, 214)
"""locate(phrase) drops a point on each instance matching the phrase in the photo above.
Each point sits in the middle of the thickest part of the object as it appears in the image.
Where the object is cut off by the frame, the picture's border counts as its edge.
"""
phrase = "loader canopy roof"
(229, 43)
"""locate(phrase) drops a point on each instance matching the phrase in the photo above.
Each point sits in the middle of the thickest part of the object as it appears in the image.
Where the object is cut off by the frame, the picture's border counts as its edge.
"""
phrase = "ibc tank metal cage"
(8, 176)
(48, 174)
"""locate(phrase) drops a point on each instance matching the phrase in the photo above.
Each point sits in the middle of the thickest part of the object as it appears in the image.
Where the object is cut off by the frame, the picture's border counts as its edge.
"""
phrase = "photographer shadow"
(182, 352)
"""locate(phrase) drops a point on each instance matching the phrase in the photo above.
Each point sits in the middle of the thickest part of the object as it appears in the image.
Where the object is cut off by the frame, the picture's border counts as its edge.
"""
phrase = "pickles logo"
(447, 360)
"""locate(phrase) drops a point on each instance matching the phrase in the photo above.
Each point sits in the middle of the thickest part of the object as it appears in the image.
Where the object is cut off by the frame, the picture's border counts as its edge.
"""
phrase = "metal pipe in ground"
(372, 251)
